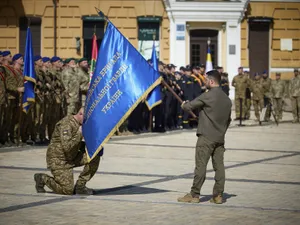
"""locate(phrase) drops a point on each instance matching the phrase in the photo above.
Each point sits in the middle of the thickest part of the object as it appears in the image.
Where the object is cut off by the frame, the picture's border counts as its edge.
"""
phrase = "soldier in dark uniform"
(188, 94)
(63, 154)
(225, 83)
(214, 120)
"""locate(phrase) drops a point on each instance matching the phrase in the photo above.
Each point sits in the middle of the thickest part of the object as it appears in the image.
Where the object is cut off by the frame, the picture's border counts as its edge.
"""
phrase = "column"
(177, 43)
(233, 50)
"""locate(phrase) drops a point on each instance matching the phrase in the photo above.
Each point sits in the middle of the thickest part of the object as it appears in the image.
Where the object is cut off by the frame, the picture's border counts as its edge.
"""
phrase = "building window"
(35, 27)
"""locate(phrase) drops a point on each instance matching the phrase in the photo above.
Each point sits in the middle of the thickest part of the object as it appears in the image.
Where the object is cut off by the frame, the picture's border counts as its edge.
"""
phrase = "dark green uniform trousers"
(62, 181)
(204, 150)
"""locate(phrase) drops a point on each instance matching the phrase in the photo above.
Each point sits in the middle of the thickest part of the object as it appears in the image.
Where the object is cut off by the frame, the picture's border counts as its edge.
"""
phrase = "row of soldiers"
(187, 83)
(61, 88)
(265, 93)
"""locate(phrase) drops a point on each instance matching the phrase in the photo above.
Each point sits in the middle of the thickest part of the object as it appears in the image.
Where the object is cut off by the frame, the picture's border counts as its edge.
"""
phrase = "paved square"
(140, 178)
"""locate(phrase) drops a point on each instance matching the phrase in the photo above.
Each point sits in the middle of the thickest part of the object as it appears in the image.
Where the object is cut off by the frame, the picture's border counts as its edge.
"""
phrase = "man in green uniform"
(63, 154)
(68, 74)
(294, 88)
(277, 92)
(3, 105)
(240, 82)
(266, 81)
(40, 128)
(214, 119)
(256, 88)
(84, 79)
(247, 98)
(14, 86)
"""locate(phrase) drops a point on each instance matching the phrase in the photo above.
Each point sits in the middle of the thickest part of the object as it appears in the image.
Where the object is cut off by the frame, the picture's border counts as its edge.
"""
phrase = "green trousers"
(62, 181)
(277, 106)
(296, 107)
(204, 150)
(238, 108)
(258, 105)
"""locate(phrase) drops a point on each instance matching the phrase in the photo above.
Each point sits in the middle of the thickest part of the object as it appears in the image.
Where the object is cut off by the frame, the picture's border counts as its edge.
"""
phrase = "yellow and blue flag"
(29, 74)
(154, 97)
(209, 65)
(121, 80)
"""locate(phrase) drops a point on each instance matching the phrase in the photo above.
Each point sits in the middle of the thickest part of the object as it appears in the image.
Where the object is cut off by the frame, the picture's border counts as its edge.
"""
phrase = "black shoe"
(39, 183)
(83, 190)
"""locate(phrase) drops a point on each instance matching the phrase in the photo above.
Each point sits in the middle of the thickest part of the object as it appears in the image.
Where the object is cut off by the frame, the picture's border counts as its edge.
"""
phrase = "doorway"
(198, 46)
(259, 45)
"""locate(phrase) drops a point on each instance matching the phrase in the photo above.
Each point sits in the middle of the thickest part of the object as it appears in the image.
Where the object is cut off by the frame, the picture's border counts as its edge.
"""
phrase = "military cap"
(55, 59)
(265, 72)
(6, 53)
(256, 74)
(296, 70)
(241, 67)
(68, 60)
(17, 56)
(188, 68)
(196, 67)
(45, 59)
(278, 74)
(37, 57)
(82, 59)
(0, 52)
(182, 68)
(202, 66)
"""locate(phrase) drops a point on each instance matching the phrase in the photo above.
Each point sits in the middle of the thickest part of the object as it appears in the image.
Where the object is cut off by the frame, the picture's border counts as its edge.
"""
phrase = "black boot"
(39, 183)
(83, 190)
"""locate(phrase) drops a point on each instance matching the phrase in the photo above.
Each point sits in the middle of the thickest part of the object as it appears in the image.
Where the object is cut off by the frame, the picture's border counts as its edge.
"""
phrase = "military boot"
(83, 190)
(189, 198)
(217, 199)
(39, 182)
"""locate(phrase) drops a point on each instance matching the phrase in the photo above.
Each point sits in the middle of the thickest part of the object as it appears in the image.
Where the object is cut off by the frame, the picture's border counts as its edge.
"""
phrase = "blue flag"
(154, 97)
(122, 79)
(29, 74)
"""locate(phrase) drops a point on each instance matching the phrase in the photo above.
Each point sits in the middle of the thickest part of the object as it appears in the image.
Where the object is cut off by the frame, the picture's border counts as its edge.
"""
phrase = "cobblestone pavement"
(141, 177)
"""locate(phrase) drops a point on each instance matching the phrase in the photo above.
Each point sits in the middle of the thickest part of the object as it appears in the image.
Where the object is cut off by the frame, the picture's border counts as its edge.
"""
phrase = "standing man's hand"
(184, 103)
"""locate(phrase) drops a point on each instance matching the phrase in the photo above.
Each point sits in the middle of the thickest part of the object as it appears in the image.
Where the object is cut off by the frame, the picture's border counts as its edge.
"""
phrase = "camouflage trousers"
(296, 107)
(62, 181)
(247, 107)
(40, 127)
(11, 118)
(277, 106)
(267, 105)
(239, 106)
(258, 105)
(204, 150)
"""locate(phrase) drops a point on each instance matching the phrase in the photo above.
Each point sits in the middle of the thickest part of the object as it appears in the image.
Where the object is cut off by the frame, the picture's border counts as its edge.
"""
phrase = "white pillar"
(220, 46)
(233, 59)
(177, 47)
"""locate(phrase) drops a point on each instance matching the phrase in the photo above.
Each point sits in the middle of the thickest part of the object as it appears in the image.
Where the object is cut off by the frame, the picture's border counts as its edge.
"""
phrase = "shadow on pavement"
(226, 196)
(128, 190)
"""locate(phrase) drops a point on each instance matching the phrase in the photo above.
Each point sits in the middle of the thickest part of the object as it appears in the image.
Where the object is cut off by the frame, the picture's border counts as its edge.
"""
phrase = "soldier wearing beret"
(277, 93)
(294, 88)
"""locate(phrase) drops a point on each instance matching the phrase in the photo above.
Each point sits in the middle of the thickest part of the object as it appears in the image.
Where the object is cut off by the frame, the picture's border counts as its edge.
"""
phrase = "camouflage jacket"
(256, 88)
(13, 80)
(277, 88)
(3, 97)
(294, 86)
(65, 143)
(40, 86)
(240, 82)
(57, 85)
(267, 86)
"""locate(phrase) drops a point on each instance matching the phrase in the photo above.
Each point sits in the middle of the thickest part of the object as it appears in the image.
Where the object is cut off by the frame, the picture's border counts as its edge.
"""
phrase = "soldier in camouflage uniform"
(240, 82)
(63, 154)
(84, 78)
(68, 74)
(277, 93)
(3, 105)
(48, 100)
(14, 86)
(56, 92)
(294, 88)
(247, 98)
(40, 128)
(256, 88)
(266, 81)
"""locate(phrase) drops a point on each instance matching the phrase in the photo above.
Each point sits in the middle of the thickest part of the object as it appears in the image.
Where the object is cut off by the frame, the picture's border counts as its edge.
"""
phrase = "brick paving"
(140, 178)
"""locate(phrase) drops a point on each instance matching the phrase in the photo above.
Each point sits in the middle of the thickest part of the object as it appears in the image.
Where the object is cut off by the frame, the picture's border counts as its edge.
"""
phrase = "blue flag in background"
(29, 74)
(154, 97)
(121, 80)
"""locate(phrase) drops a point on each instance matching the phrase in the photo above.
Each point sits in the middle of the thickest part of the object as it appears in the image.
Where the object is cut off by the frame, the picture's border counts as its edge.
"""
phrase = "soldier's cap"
(170, 66)
(6, 53)
(225, 74)
(37, 57)
(82, 59)
(265, 72)
(278, 74)
(202, 66)
(68, 60)
(160, 63)
(177, 73)
(256, 74)
(241, 67)
(55, 59)
(182, 68)
(296, 70)
(17, 56)
(188, 68)
(46, 59)
(0, 53)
